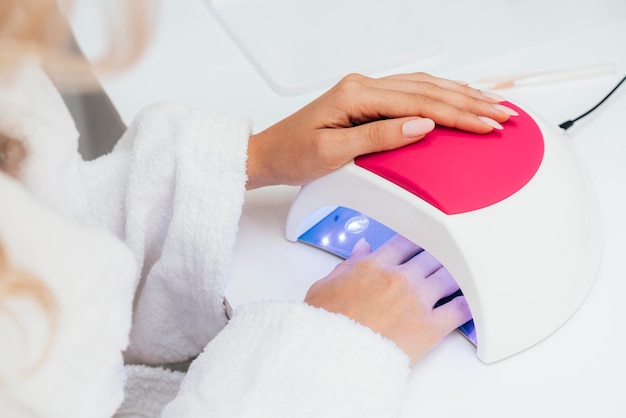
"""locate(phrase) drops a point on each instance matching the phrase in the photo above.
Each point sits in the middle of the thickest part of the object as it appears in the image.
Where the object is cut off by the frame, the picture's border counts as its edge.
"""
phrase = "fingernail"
(506, 110)
(491, 122)
(417, 127)
(492, 96)
(461, 82)
(361, 247)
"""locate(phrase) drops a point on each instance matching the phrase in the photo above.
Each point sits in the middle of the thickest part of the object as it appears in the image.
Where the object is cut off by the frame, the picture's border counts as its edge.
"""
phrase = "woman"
(111, 271)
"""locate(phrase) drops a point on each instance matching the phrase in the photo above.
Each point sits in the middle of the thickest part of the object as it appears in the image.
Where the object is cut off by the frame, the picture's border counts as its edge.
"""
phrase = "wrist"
(256, 171)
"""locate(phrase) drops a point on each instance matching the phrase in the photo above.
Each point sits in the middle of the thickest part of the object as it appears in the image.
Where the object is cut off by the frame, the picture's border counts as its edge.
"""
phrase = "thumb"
(388, 134)
(361, 248)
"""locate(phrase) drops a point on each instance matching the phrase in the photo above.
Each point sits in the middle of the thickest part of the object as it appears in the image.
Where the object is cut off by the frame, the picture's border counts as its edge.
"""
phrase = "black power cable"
(568, 124)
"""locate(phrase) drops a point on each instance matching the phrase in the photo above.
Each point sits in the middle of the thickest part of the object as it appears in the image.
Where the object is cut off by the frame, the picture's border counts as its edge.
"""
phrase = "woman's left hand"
(360, 115)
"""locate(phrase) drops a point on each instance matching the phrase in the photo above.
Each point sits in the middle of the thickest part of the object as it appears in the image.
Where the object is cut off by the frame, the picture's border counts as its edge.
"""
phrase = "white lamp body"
(524, 264)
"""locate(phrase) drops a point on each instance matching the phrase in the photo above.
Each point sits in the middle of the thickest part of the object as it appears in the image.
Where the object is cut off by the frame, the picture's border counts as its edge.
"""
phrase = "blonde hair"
(39, 28)
(16, 282)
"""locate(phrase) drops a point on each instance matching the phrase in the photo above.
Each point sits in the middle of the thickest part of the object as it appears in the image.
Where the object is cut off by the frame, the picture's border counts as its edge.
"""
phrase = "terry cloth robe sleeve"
(173, 190)
(292, 360)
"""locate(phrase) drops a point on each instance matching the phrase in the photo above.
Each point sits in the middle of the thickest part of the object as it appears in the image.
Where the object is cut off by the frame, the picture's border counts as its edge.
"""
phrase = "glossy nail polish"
(492, 96)
(491, 122)
(507, 110)
(417, 127)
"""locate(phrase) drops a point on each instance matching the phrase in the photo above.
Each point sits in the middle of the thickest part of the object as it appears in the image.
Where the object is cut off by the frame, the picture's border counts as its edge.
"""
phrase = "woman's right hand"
(393, 291)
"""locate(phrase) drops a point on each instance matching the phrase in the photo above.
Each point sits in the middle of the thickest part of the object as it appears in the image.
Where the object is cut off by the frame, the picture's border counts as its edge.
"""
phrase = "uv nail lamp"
(511, 214)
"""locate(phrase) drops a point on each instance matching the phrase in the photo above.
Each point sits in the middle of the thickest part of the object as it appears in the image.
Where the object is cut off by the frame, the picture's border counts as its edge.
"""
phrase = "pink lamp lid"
(458, 171)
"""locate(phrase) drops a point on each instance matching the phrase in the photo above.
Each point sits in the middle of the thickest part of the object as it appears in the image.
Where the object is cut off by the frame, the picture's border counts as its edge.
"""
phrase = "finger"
(422, 265)
(376, 136)
(439, 285)
(447, 108)
(404, 82)
(418, 82)
(396, 251)
(360, 249)
(452, 315)
(363, 99)
(416, 78)
(470, 100)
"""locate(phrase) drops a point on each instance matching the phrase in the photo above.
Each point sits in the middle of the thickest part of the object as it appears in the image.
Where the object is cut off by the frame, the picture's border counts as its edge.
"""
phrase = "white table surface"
(577, 371)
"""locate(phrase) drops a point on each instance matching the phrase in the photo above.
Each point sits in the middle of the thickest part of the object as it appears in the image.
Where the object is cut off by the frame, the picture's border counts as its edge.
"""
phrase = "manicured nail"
(507, 110)
(361, 247)
(491, 122)
(492, 96)
(417, 127)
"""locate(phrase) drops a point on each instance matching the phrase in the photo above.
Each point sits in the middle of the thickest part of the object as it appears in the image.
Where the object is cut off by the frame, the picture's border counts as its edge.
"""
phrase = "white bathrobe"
(135, 247)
